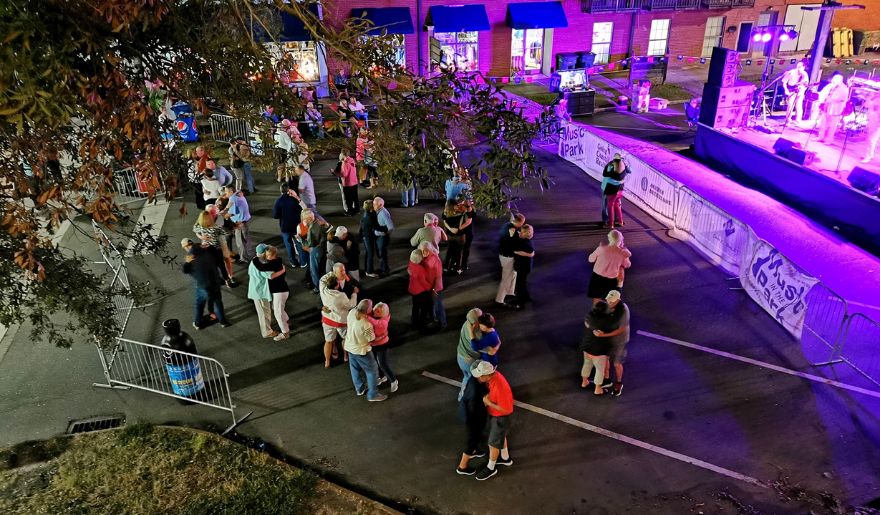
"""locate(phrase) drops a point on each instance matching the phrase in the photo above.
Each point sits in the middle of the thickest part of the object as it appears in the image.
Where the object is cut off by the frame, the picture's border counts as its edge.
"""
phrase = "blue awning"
(393, 20)
(459, 18)
(293, 29)
(536, 15)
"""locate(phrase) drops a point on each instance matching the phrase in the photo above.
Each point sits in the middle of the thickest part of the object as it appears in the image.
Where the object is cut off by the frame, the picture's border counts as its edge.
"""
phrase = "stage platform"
(819, 190)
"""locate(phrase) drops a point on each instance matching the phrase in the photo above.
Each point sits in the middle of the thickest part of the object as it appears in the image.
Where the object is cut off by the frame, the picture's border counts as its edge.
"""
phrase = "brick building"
(501, 38)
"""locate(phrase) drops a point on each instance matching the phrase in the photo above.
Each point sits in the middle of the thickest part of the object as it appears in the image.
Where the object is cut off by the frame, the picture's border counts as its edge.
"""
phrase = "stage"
(820, 190)
(832, 161)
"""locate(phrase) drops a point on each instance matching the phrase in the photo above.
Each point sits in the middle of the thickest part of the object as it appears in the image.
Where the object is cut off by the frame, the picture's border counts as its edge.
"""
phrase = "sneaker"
(467, 471)
(273, 334)
(394, 385)
(281, 336)
(382, 380)
(361, 392)
(486, 473)
(478, 454)
(501, 461)
(617, 389)
(607, 383)
(378, 398)
(224, 325)
(303, 265)
(197, 327)
(371, 274)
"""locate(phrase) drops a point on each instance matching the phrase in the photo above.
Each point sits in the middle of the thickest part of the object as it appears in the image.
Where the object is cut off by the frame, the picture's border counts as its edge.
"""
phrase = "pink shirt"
(380, 330)
(608, 259)
(349, 172)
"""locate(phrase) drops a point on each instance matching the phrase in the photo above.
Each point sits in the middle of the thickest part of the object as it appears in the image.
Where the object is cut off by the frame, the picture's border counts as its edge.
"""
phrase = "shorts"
(498, 429)
(618, 353)
(330, 332)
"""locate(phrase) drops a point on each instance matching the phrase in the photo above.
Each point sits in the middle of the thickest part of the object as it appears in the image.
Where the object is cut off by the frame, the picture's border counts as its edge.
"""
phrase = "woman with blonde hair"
(213, 235)
(609, 261)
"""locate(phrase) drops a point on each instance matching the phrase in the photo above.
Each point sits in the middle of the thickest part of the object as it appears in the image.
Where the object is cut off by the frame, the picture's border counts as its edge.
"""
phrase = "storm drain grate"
(89, 425)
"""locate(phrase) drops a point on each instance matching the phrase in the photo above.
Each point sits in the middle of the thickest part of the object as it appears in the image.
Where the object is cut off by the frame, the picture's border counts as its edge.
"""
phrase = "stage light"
(792, 34)
(756, 37)
(766, 37)
(783, 36)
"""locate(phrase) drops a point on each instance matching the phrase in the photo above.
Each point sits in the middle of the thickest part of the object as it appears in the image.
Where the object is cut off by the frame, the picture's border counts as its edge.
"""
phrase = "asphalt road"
(691, 431)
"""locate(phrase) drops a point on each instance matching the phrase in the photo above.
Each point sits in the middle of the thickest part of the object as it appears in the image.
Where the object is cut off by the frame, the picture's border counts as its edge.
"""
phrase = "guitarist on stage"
(795, 82)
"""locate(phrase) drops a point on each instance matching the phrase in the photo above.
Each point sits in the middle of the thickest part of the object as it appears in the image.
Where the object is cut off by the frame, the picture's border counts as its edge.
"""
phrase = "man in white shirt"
(306, 188)
(360, 353)
(210, 187)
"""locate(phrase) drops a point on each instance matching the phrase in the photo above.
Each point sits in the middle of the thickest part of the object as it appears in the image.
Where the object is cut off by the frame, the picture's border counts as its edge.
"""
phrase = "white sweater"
(360, 334)
(336, 301)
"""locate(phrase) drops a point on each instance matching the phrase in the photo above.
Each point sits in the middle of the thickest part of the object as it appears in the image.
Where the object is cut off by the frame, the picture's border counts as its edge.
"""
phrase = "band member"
(832, 102)
(795, 82)
(873, 108)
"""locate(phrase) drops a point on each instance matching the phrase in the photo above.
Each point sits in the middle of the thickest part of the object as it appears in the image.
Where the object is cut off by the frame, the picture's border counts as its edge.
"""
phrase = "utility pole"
(826, 13)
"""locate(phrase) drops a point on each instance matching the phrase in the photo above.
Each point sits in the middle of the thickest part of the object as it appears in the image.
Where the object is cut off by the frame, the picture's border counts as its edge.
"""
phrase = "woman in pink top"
(379, 320)
(609, 260)
(348, 183)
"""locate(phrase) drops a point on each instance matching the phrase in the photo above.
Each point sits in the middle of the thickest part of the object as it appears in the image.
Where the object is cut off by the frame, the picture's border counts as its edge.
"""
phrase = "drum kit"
(855, 117)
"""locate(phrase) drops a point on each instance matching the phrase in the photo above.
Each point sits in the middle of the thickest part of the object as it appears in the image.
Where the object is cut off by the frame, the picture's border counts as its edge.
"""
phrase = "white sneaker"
(281, 336)
(394, 386)
(867, 160)
(381, 381)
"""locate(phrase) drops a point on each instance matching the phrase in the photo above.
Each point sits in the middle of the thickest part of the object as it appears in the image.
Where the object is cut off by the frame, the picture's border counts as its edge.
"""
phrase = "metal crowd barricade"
(859, 347)
(122, 300)
(172, 373)
(225, 127)
(824, 324)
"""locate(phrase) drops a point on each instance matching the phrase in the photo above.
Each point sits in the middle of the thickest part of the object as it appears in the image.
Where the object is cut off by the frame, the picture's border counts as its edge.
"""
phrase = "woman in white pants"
(279, 290)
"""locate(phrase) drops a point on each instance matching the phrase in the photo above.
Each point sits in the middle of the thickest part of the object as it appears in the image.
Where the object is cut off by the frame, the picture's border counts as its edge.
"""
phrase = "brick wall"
(687, 28)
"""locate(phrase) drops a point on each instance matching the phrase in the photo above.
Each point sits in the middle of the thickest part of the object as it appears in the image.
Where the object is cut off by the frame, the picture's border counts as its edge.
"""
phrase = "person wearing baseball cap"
(618, 313)
(499, 405)
(258, 291)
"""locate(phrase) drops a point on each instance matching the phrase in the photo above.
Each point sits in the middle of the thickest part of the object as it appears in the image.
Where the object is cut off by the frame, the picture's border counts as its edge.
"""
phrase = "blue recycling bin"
(186, 122)
(186, 376)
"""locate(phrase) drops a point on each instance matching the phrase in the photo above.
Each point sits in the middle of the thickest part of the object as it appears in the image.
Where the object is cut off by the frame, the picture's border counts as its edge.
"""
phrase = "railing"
(671, 5)
(172, 373)
(859, 347)
(728, 4)
(224, 128)
(609, 6)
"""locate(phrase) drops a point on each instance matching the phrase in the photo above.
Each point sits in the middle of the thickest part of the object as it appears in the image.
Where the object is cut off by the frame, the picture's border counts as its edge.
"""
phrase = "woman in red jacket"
(420, 290)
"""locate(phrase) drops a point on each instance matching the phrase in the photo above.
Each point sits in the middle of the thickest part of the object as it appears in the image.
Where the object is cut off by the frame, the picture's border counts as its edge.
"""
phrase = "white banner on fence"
(722, 238)
(777, 285)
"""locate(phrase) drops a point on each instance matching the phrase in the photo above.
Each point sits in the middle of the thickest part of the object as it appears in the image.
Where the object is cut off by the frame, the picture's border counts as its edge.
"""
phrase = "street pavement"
(693, 431)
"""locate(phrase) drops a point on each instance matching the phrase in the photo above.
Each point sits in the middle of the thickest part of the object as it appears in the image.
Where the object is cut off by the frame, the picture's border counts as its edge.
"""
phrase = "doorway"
(527, 51)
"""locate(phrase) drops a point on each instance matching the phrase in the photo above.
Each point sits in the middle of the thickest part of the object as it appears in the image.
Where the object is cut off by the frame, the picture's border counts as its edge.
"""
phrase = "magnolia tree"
(82, 90)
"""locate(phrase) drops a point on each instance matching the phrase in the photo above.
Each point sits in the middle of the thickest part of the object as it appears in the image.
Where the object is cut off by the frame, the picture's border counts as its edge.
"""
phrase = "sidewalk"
(720, 414)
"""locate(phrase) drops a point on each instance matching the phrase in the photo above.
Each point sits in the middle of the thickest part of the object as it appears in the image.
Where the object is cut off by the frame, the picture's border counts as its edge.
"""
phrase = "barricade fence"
(224, 128)
(808, 309)
(172, 373)
(123, 300)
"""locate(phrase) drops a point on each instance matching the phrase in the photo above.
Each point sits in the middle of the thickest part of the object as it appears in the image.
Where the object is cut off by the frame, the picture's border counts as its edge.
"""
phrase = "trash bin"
(183, 370)
(186, 122)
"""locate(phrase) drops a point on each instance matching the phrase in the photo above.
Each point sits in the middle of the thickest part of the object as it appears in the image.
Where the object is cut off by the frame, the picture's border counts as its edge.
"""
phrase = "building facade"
(501, 38)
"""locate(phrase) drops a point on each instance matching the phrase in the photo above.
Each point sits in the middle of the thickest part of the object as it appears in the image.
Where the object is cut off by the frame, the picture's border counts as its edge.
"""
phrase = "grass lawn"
(141, 469)
(671, 92)
(534, 92)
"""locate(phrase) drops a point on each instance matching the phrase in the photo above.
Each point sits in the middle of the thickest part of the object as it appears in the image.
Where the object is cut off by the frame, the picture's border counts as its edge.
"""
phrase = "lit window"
(602, 41)
(713, 35)
(459, 49)
(659, 37)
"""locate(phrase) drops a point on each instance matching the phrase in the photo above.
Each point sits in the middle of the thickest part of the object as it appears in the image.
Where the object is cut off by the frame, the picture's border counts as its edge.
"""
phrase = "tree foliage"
(84, 79)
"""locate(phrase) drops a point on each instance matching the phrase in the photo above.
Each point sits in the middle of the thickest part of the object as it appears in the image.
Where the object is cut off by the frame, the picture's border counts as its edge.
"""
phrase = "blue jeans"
(295, 252)
(248, 177)
(439, 309)
(382, 251)
(409, 197)
(465, 367)
(369, 252)
(315, 257)
(212, 298)
(381, 352)
(367, 365)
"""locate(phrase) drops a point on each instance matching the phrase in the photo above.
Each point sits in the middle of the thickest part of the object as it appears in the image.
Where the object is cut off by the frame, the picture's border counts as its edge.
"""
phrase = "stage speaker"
(724, 67)
(865, 181)
(783, 145)
(726, 107)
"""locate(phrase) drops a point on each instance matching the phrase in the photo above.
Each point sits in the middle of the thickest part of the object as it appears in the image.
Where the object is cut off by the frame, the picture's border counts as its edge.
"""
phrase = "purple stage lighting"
(783, 36)
(766, 37)
(756, 37)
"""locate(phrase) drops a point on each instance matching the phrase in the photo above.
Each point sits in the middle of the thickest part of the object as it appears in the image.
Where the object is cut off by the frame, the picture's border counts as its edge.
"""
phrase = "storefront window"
(398, 44)
(527, 50)
(300, 61)
(459, 49)
(602, 41)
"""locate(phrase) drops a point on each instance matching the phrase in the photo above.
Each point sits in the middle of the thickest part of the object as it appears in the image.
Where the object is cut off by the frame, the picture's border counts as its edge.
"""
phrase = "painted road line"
(153, 214)
(617, 436)
(763, 364)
